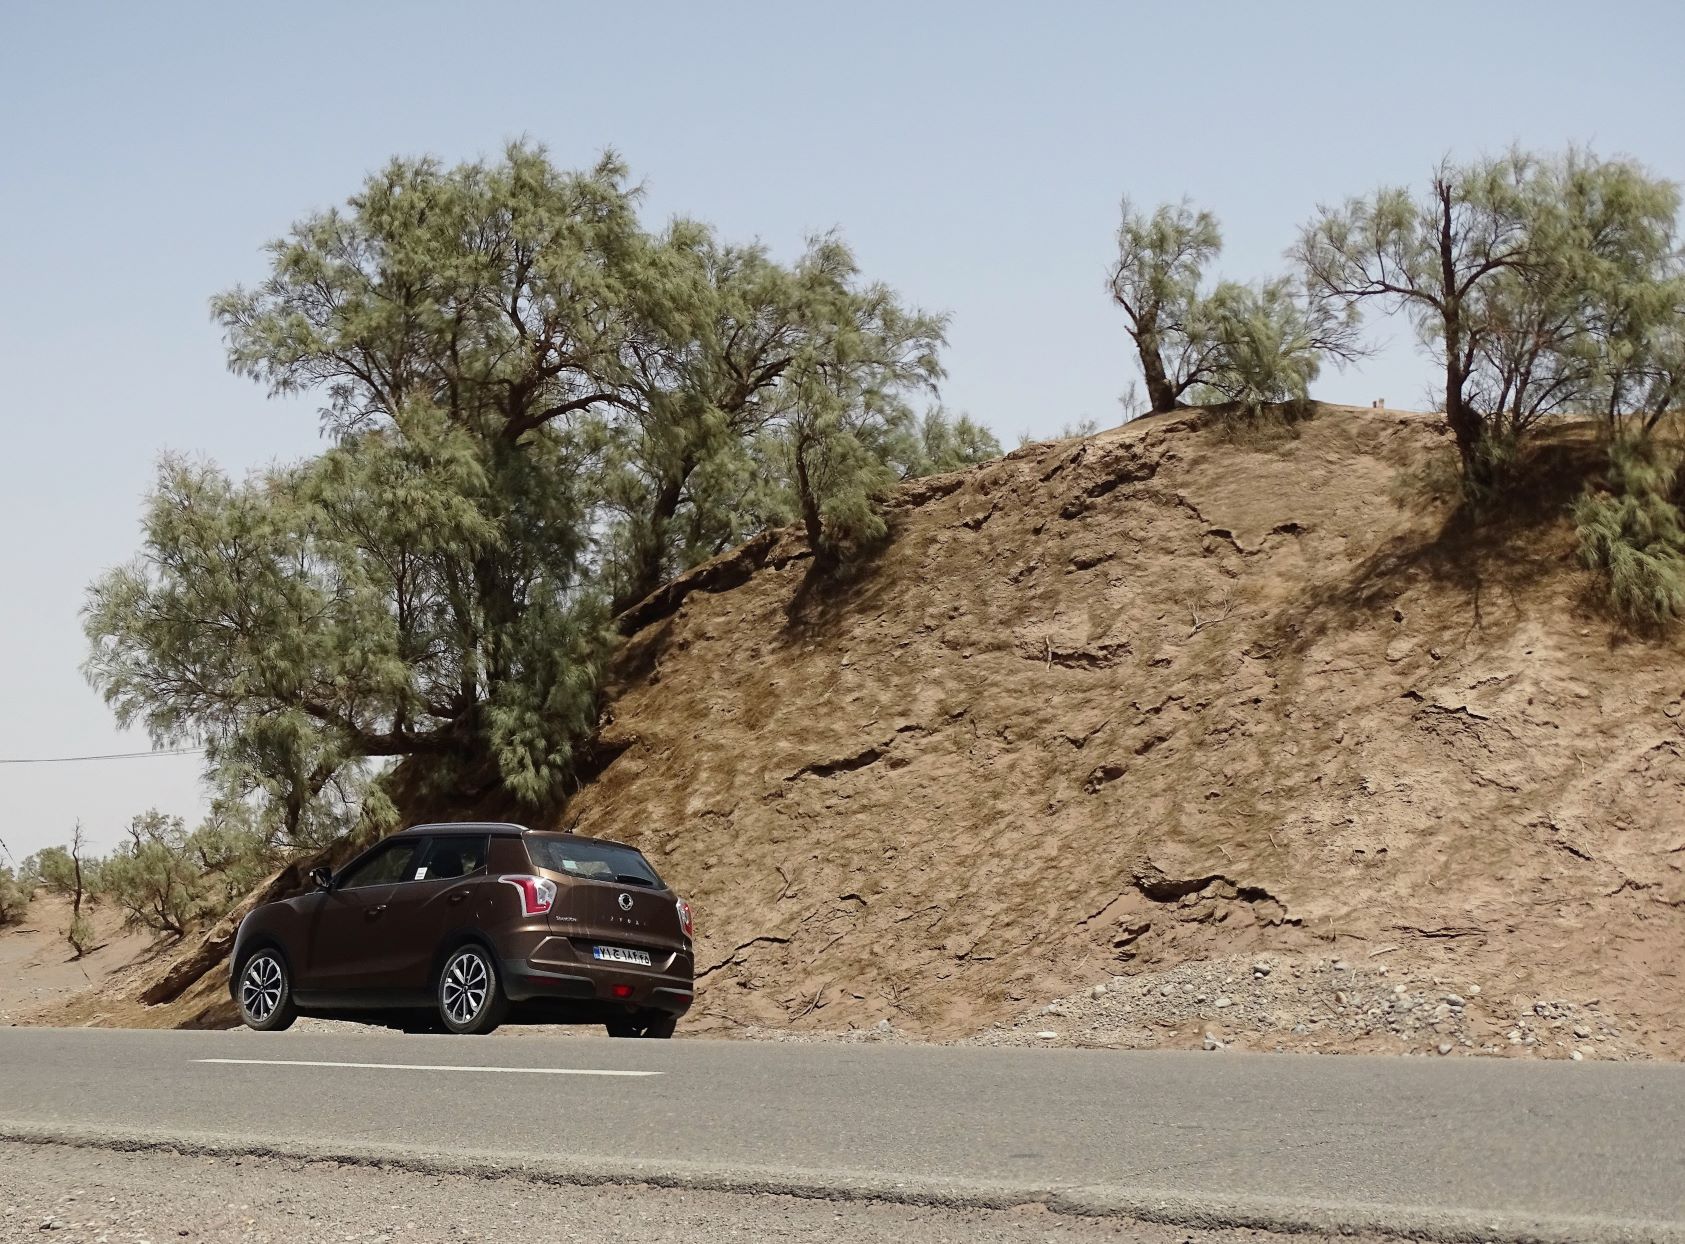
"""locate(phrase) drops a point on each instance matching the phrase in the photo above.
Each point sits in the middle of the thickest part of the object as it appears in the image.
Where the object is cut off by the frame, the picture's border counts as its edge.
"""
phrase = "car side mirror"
(322, 877)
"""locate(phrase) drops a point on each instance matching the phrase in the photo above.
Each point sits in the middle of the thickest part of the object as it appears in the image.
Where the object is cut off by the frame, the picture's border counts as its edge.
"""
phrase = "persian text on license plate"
(619, 954)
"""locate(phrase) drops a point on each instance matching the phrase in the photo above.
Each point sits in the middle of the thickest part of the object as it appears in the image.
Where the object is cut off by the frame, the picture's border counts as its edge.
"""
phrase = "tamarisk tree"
(538, 412)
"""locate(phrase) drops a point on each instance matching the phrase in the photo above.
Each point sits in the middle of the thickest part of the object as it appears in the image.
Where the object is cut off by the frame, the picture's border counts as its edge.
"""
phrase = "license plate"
(619, 954)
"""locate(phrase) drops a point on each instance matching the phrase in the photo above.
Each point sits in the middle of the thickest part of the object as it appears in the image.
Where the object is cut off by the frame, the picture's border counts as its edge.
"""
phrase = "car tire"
(470, 996)
(265, 993)
(649, 1025)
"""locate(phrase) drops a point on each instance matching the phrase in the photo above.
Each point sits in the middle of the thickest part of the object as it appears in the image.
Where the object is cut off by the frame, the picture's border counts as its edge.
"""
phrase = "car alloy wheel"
(266, 1002)
(470, 999)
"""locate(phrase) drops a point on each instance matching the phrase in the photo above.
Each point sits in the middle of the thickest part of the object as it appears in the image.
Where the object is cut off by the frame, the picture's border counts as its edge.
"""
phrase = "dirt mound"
(1109, 709)
(38, 969)
(1113, 705)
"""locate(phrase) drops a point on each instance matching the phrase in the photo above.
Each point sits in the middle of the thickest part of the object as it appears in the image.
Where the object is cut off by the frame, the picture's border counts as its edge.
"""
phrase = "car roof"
(500, 829)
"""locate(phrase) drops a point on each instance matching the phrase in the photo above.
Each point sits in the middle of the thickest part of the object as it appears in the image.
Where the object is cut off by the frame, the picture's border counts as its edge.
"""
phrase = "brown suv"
(460, 927)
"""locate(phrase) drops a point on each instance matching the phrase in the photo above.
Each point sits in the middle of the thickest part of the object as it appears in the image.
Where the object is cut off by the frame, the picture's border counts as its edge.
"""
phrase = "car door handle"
(375, 911)
(458, 896)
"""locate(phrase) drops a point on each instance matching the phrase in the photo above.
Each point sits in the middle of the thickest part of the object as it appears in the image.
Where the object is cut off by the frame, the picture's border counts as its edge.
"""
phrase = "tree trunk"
(1161, 394)
(650, 571)
(811, 519)
(1465, 423)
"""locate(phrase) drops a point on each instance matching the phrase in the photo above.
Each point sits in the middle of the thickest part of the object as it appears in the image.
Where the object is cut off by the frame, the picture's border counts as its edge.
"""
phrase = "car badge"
(625, 902)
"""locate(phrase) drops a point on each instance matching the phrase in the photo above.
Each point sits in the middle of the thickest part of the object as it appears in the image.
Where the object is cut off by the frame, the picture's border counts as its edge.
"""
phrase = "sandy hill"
(1148, 709)
(39, 969)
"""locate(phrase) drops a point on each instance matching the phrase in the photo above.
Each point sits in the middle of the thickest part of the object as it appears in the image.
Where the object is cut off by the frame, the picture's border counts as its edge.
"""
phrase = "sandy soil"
(38, 968)
(1158, 702)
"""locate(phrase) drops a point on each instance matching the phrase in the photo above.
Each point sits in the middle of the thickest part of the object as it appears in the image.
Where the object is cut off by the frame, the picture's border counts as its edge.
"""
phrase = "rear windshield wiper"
(628, 879)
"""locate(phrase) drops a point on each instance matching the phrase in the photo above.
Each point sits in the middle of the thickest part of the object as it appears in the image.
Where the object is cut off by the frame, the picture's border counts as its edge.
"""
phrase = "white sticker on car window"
(421, 873)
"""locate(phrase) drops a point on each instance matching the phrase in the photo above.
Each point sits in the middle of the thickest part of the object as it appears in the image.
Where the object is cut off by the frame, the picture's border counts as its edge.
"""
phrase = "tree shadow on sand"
(1489, 551)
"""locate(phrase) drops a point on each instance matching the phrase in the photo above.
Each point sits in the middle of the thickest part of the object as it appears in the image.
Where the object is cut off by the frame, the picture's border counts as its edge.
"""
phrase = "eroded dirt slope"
(1109, 706)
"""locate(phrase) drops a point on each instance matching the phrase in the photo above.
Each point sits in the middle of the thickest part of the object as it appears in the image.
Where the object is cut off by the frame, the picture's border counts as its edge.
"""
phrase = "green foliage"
(1156, 280)
(1541, 285)
(1268, 343)
(947, 443)
(846, 416)
(1633, 532)
(14, 897)
(55, 870)
(1255, 345)
(767, 394)
(538, 412)
(153, 878)
(80, 934)
(165, 878)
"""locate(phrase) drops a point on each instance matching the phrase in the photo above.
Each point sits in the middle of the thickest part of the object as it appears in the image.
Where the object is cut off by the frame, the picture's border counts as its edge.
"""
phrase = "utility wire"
(66, 760)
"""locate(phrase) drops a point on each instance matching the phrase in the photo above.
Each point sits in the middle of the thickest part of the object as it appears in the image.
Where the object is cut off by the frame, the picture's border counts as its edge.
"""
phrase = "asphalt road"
(1440, 1147)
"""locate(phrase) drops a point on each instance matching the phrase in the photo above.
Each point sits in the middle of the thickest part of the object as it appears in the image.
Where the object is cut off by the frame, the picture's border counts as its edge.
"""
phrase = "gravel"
(1281, 1002)
(1313, 1003)
(98, 1197)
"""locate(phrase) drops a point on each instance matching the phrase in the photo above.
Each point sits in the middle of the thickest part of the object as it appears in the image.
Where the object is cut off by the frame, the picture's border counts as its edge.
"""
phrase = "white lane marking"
(512, 1071)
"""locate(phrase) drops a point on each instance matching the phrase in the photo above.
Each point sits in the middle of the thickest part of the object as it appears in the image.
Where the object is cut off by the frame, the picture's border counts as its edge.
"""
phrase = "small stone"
(1260, 969)
(1222, 1002)
(1341, 997)
(1451, 999)
(1099, 991)
(1474, 991)
(1047, 1035)
(1445, 1047)
(1582, 1032)
(1166, 990)
(1301, 1029)
(1398, 989)
(1211, 1042)
(885, 1026)
(1340, 965)
(1577, 1056)
(1435, 653)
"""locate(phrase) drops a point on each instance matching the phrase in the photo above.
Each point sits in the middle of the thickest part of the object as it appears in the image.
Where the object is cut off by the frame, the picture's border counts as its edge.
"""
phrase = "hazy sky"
(972, 153)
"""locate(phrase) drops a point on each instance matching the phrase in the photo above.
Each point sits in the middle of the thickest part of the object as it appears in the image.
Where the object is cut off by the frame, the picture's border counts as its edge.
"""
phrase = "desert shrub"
(152, 878)
(1067, 431)
(57, 871)
(1267, 344)
(80, 934)
(166, 878)
(1633, 532)
(14, 897)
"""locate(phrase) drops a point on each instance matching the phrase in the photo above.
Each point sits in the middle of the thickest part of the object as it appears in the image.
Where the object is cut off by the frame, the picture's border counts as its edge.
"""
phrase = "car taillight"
(685, 921)
(538, 894)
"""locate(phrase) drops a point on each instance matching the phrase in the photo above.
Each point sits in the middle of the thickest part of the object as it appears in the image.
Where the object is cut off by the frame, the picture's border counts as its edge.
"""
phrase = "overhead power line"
(69, 760)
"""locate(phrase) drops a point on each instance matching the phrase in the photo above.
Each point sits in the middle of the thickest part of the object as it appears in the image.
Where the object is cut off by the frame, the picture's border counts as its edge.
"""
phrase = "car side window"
(450, 857)
(390, 863)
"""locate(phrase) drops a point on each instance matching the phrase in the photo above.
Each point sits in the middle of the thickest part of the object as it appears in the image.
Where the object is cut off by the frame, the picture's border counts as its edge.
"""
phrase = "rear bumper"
(593, 987)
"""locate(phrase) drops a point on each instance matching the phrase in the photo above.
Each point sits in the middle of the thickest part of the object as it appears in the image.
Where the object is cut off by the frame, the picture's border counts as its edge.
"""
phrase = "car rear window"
(595, 861)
